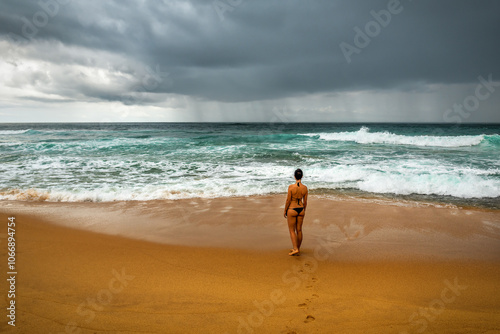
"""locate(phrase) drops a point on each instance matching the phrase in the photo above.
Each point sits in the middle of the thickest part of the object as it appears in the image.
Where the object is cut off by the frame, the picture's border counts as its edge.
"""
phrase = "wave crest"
(13, 132)
(364, 136)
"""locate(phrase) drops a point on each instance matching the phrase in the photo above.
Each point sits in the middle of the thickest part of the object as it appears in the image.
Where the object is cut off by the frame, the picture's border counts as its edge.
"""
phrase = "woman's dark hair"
(298, 174)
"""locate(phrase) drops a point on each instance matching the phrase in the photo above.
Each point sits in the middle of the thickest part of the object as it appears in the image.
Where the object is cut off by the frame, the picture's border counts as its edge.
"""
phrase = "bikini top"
(297, 198)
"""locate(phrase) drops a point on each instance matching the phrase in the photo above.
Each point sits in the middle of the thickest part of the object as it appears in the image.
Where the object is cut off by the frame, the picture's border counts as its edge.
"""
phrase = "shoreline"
(256, 223)
(32, 195)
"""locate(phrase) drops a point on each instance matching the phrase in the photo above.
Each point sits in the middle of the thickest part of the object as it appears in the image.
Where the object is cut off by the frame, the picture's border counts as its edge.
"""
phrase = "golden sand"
(217, 266)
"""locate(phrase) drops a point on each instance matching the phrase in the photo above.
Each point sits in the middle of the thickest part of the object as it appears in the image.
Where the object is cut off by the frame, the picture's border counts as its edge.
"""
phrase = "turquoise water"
(146, 161)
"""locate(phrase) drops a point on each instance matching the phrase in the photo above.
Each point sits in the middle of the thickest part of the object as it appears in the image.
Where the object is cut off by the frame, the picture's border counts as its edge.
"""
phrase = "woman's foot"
(294, 252)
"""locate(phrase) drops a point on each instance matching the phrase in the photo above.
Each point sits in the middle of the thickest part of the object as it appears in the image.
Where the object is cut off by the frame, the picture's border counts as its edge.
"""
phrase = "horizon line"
(256, 122)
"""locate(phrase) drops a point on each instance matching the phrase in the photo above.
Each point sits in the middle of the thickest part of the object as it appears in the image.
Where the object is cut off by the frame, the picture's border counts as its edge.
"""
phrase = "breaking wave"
(364, 136)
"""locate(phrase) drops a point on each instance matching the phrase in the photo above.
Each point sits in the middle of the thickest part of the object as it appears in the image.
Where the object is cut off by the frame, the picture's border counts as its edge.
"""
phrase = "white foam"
(397, 177)
(408, 177)
(13, 132)
(363, 136)
(469, 186)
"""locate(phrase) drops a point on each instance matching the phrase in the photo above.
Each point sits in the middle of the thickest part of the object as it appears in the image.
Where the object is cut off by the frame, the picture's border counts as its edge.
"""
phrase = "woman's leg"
(300, 220)
(292, 227)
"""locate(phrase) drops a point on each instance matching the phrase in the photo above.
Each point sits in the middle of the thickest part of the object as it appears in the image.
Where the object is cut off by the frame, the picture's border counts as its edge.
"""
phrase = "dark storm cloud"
(262, 49)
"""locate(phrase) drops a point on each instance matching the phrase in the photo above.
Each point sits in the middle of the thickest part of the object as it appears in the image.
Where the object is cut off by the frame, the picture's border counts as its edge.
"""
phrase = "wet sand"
(221, 265)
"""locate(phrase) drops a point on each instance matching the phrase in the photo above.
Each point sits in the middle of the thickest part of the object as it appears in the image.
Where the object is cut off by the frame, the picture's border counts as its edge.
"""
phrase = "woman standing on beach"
(295, 210)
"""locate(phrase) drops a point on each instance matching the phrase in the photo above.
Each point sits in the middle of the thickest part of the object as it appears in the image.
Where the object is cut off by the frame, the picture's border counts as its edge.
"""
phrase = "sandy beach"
(154, 156)
(221, 266)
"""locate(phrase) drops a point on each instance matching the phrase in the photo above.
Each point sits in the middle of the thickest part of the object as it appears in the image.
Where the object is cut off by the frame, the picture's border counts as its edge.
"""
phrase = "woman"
(295, 210)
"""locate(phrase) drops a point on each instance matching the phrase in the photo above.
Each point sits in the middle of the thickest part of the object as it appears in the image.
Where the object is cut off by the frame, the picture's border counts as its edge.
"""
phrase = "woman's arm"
(288, 201)
(305, 199)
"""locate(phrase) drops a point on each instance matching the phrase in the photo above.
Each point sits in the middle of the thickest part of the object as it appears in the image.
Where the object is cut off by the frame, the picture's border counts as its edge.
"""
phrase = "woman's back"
(299, 191)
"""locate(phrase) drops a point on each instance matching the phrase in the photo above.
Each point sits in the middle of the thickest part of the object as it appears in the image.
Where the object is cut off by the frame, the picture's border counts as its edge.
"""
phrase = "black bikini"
(298, 210)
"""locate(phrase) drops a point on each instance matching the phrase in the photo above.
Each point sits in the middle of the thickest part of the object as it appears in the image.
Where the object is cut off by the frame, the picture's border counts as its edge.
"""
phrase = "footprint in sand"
(303, 305)
(314, 279)
(309, 318)
(314, 296)
(288, 330)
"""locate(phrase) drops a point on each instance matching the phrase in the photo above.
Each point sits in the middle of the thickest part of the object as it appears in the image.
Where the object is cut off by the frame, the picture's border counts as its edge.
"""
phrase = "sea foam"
(364, 136)
(13, 132)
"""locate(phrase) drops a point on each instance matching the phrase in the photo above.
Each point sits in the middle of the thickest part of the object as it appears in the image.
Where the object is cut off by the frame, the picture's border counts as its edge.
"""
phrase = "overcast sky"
(250, 60)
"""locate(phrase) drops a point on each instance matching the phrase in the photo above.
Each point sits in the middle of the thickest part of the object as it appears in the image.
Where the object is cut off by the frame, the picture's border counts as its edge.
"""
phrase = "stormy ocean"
(144, 161)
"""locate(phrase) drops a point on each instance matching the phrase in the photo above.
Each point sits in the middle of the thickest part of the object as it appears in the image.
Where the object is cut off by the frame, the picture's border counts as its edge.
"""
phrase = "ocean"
(96, 162)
